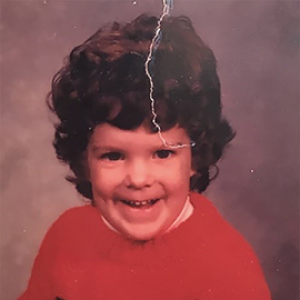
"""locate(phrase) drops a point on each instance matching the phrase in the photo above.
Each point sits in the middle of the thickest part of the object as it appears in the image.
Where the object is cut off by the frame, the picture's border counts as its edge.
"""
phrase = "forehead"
(108, 135)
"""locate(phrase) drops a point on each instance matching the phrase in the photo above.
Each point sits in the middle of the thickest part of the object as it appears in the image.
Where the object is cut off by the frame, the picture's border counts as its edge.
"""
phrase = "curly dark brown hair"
(104, 80)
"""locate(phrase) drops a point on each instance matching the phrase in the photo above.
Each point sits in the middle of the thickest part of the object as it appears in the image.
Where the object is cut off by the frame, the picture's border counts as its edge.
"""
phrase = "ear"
(192, 172)
(193, 168)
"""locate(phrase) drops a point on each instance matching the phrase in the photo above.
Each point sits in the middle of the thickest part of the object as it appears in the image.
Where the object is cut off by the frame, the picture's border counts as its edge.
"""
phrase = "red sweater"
(204, 258)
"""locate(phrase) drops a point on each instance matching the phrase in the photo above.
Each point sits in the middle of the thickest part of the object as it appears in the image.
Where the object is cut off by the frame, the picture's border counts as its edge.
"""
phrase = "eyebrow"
(105, 148)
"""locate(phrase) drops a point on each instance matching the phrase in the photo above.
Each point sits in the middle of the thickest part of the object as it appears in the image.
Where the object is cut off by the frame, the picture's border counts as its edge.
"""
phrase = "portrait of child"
(147, 234)
(139, 123)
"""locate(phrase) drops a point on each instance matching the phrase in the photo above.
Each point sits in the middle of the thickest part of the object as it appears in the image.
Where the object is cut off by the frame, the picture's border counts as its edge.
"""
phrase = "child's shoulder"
(217, 230)
(77, 216)
(78, 212)
(219, 246)
(74, 224)
(206, 211)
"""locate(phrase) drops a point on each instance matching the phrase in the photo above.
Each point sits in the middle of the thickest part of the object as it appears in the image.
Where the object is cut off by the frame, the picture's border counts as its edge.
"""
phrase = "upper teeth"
(139, 203)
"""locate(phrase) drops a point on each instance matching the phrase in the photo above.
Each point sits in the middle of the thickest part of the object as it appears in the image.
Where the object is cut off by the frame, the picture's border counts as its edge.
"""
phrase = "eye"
(111, 156)
(163, 154)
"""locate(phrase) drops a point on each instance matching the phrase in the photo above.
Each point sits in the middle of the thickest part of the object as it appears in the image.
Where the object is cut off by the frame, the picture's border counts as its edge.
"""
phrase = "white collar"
(186, 212)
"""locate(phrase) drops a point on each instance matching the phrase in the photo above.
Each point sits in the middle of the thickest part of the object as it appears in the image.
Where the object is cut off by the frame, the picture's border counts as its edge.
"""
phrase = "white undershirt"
(185, 213)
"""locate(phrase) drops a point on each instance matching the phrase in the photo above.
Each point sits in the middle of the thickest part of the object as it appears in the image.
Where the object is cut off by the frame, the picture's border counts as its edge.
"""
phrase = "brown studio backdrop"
(257, 46)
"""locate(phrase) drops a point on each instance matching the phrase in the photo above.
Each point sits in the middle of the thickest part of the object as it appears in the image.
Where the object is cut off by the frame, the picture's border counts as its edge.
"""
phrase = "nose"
(138, 175)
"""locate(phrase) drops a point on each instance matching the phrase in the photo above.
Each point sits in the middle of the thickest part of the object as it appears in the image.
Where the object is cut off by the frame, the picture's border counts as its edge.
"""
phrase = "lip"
(140, 204)
(138, 200)
(142, 214)
(138, 197)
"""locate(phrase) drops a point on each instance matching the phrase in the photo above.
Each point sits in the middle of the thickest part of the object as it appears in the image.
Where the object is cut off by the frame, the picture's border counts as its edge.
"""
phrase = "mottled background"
(257, 46)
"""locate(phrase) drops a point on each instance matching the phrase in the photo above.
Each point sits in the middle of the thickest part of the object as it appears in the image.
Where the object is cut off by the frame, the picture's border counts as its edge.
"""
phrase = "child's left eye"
(163, 154)
(111, 156)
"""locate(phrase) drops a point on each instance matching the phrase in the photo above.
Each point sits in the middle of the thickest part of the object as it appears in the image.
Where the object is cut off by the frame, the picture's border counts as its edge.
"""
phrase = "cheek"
(177, 175)
(104, 181)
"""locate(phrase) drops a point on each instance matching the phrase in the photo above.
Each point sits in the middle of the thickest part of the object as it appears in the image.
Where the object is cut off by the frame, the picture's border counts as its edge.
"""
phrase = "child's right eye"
(164, 153)
(111, 156)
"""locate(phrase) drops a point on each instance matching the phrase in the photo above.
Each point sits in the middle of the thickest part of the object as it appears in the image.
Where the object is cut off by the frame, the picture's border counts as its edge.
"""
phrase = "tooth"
(140, 203)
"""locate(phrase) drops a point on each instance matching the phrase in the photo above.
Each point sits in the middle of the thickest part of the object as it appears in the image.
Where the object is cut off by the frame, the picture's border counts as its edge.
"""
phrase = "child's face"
(135, 166)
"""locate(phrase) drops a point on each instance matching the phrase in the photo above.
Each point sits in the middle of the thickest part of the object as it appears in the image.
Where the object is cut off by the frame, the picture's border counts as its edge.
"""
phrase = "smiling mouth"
(140, 204)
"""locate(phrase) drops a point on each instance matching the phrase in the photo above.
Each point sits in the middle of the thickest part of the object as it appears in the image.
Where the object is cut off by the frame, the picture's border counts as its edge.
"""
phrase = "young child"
(148, 233)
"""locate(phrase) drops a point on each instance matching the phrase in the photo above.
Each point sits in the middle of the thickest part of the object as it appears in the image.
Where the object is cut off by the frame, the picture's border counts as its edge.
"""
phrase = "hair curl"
(104, 80)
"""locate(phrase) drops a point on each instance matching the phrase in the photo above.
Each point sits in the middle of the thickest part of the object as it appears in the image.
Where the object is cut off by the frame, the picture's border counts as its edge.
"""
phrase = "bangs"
(134, 109)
